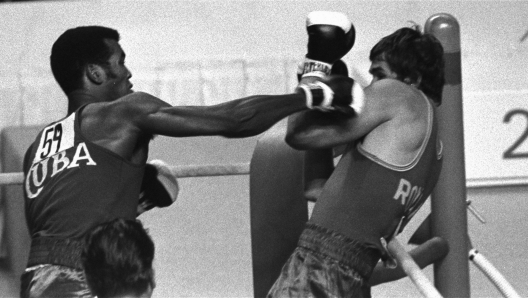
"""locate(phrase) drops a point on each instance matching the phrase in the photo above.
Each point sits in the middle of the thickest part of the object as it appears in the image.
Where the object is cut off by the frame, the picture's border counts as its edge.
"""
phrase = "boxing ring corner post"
(448, 204)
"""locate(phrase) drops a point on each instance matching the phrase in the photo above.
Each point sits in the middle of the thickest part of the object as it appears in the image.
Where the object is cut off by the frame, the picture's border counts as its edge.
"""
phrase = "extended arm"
(238, 118)
(234, 119)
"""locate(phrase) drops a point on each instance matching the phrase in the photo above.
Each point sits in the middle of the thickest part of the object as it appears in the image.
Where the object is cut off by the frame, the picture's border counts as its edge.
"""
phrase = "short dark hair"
(75, 49)
(117, 258)
(410, 54)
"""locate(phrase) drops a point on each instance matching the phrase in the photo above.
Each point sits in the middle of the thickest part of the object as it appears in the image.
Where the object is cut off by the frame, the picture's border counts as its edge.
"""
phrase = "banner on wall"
(496, 137)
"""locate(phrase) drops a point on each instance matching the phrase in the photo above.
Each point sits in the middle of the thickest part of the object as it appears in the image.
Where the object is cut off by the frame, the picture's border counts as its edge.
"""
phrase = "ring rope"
(493, 274)
(11, 178)
(210, 170)
(178, 171)
(412, 270)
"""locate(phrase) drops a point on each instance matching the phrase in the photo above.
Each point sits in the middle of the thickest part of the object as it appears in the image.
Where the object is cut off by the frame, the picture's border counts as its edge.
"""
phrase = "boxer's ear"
(95, 73)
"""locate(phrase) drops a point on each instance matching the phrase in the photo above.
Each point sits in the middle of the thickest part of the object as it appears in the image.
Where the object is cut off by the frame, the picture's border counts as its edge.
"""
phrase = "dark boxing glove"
(159, 187)
(328, 93)
(331, 35)
(358, 95)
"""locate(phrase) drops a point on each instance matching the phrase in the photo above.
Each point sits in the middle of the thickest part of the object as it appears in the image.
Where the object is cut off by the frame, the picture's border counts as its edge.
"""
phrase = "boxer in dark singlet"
(89, 167)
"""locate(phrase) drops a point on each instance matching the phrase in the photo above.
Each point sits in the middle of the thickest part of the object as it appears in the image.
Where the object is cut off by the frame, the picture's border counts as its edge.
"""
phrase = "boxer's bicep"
(150, 115)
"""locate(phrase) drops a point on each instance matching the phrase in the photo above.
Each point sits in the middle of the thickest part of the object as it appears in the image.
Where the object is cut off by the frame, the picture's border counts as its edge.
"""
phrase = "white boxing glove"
(159, 187)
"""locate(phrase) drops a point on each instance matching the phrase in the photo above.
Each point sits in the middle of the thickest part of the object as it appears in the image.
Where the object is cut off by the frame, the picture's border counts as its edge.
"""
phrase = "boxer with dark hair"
(90, 166)
(117, 260)
(414, 59)
(390, 165)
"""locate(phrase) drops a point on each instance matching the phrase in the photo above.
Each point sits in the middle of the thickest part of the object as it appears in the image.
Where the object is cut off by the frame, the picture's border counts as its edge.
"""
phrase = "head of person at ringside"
(117, 260)
(413, 57)
(90, 60)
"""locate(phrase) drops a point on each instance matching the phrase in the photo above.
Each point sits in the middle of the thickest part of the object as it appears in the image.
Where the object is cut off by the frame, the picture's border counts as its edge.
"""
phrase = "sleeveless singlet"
(367, 196)
(71, 184)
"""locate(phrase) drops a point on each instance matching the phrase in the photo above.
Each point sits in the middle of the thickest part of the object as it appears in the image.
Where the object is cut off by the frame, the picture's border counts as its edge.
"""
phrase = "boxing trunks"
(54, 281)
(326, 264)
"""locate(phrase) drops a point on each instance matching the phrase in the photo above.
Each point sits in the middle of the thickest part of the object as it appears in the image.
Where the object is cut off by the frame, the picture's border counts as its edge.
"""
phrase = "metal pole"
(448, 204)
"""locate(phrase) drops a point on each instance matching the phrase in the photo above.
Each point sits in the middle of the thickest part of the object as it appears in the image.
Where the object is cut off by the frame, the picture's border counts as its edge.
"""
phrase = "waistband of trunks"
(346, 251)
(56, 251)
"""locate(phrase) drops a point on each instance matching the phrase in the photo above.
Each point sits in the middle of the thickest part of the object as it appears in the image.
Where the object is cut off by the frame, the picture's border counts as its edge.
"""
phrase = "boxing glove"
(358, 95)
(333, 92)
(331, 35)
(159, 187)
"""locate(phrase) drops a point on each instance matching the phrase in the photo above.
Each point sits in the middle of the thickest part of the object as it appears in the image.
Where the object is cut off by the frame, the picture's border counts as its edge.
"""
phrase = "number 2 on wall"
(510, 152)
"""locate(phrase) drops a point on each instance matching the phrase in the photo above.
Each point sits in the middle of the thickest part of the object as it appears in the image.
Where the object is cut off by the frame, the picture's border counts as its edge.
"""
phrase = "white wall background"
(204, 52)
